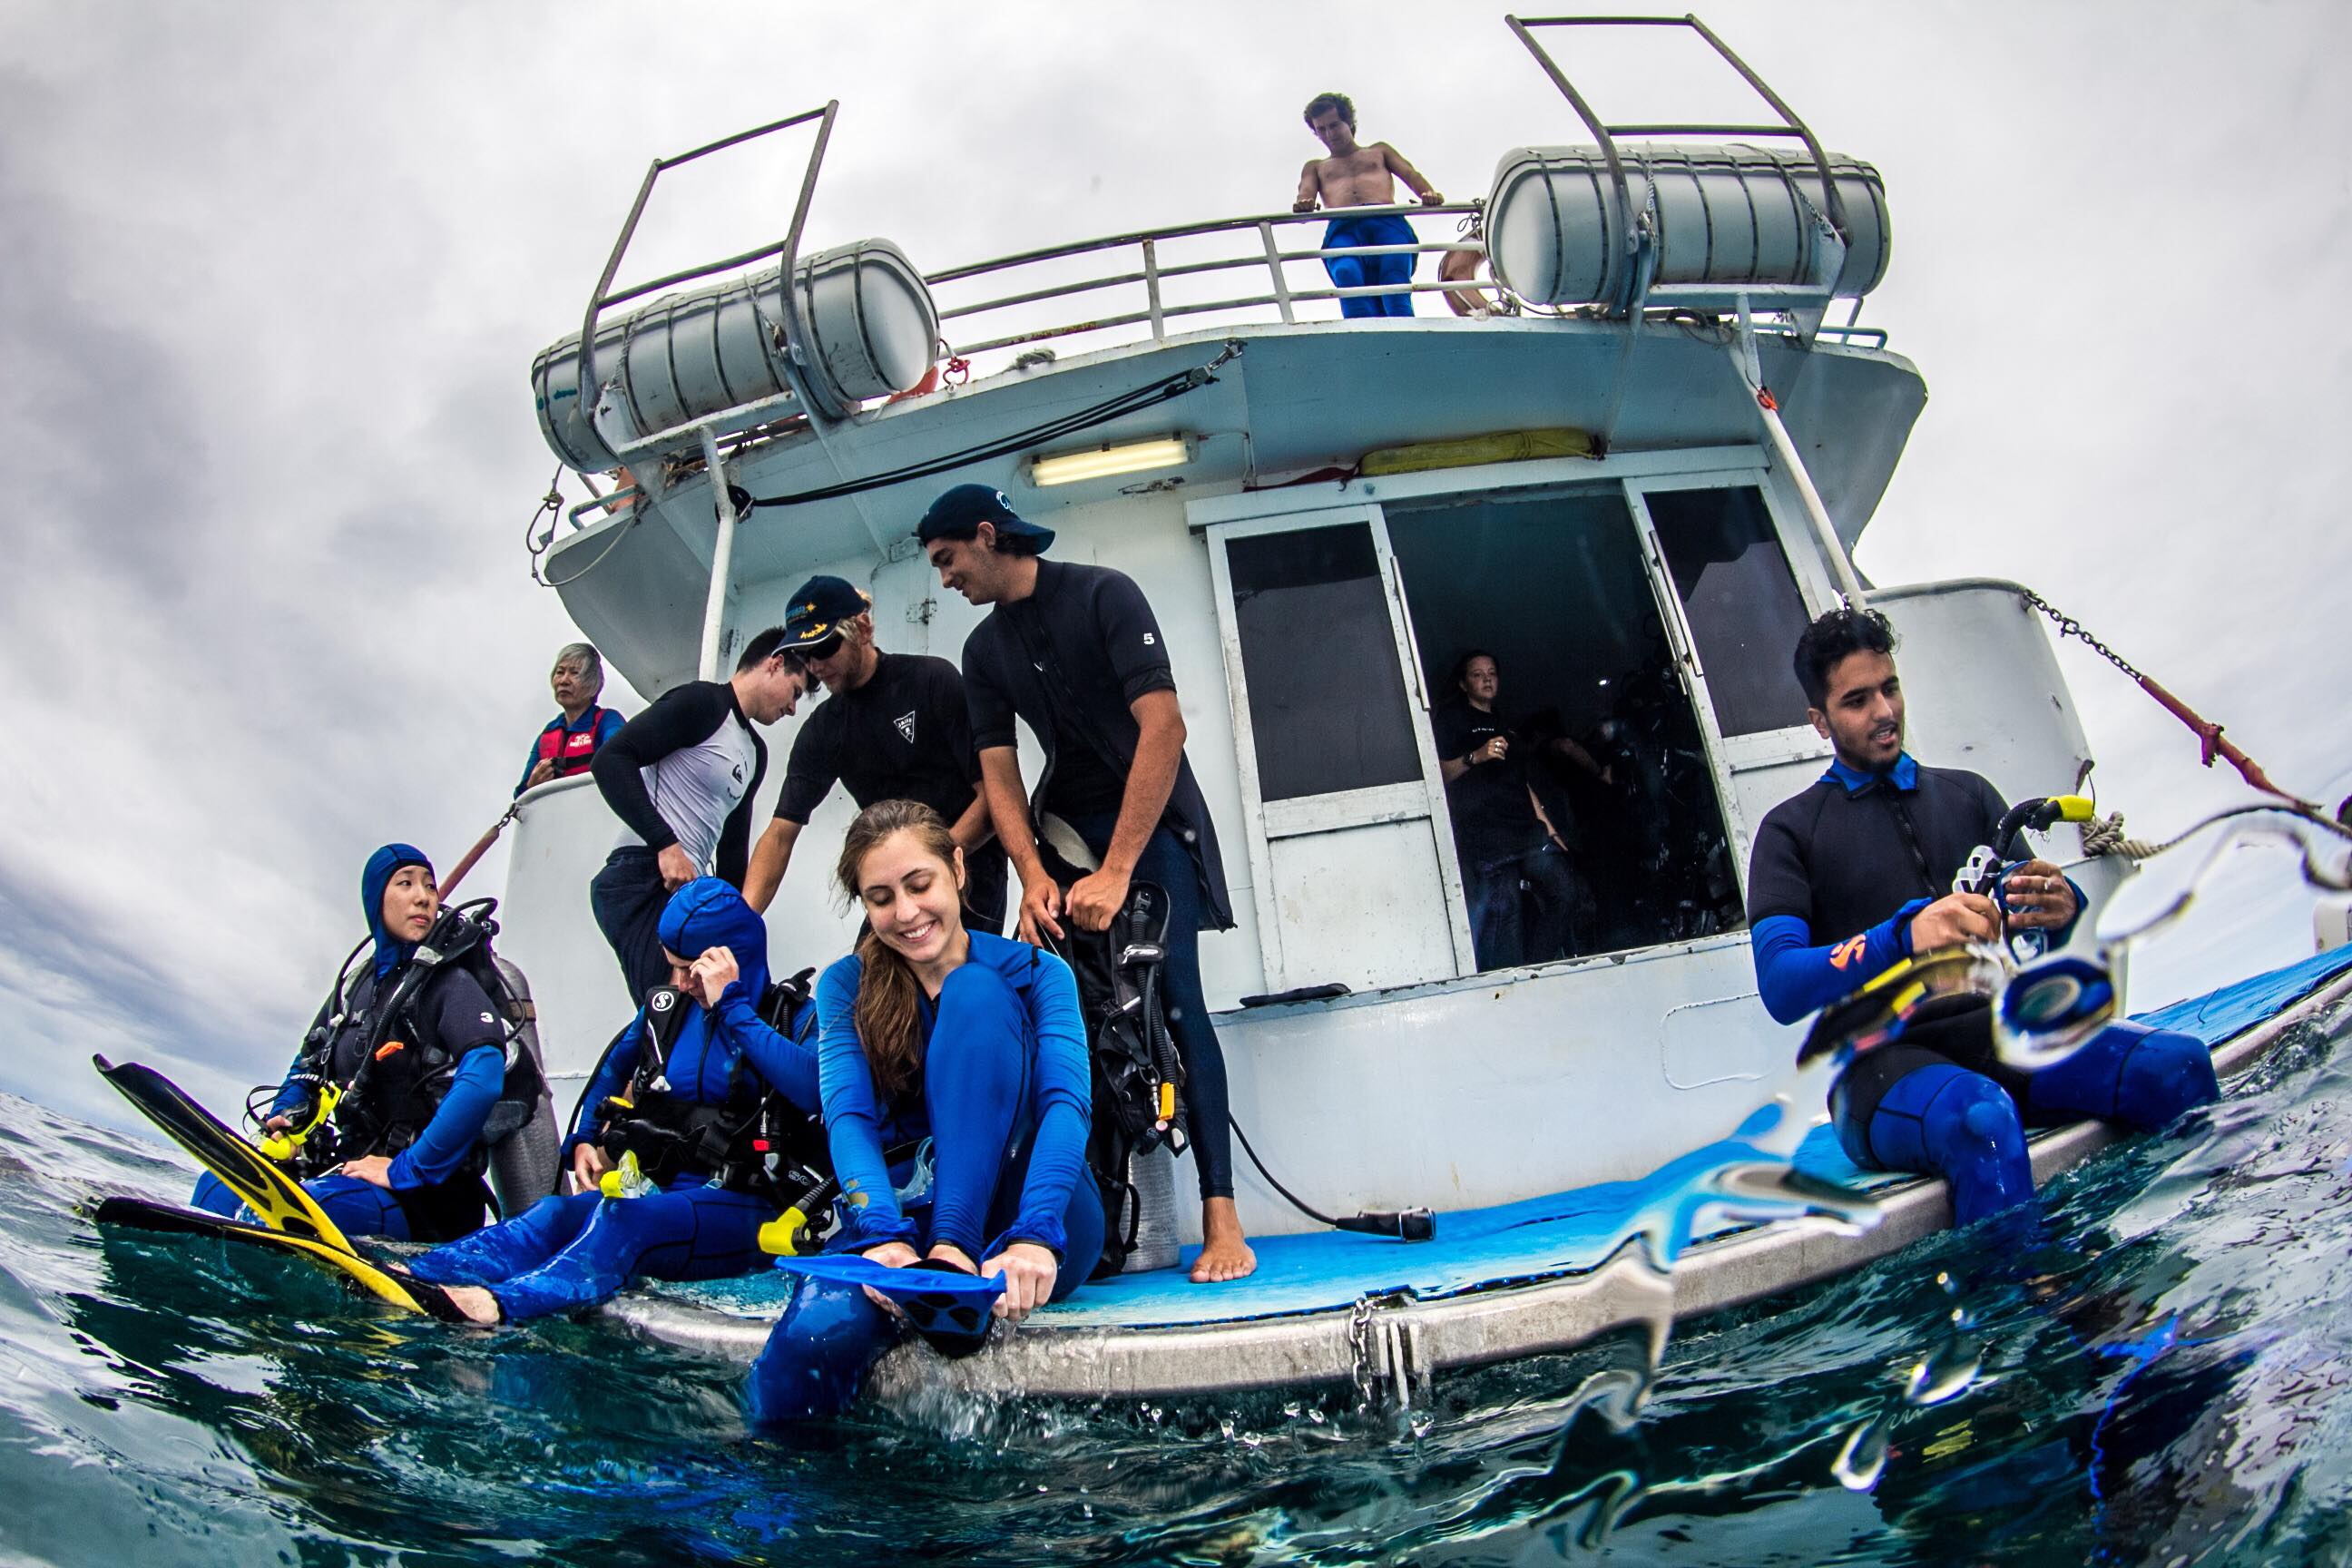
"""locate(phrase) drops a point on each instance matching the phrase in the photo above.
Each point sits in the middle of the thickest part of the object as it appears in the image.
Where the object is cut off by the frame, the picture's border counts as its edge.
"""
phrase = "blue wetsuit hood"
(708, 912)
(382, 867)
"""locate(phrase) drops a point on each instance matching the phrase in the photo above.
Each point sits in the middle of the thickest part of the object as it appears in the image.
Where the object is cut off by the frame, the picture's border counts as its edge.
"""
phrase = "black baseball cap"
(959, 512)
(816, 610)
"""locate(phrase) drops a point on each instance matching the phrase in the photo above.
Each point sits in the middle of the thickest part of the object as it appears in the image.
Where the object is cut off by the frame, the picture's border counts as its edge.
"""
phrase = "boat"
(1633, 474)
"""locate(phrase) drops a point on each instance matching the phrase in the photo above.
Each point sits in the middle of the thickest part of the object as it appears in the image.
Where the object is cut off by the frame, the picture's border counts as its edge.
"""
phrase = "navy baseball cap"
(959, 512)
(817, 610)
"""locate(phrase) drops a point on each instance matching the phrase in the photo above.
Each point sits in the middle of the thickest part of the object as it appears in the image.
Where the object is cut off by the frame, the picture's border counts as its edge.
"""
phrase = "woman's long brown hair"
(888, 994)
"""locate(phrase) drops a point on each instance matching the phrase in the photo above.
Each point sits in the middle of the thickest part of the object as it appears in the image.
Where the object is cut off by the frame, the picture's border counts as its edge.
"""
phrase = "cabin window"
(1326, 700)
(1555, 587)
(1740, 600)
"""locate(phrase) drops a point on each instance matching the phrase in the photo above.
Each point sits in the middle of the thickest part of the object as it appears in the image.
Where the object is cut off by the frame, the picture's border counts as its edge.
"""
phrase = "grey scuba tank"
(1152, 1174)
(523, 1160)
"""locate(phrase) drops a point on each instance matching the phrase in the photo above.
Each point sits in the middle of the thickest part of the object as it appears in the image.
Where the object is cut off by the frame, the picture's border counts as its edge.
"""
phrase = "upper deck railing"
(1156, 288)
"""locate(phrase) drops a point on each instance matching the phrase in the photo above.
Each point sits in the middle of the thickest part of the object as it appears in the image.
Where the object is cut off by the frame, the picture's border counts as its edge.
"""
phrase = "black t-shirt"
(1842, 863)
(1492, 816)
(903, 735)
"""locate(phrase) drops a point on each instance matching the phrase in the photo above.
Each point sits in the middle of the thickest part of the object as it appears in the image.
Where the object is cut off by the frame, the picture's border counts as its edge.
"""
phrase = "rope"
(2106, 836)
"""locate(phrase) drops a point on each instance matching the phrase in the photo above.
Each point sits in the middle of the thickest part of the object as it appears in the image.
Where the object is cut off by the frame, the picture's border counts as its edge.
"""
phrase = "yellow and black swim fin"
(390, 1284)
(276, 1197)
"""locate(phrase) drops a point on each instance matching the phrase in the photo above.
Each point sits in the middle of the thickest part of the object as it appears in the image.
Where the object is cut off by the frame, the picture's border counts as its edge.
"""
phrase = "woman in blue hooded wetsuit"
(932, 1030)
(696, 1047)
(411, 1129)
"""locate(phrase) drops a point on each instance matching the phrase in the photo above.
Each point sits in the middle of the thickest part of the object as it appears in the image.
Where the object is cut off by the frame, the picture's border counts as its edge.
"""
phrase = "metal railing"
(792, 331)
(1606, 134)
(1153, 275)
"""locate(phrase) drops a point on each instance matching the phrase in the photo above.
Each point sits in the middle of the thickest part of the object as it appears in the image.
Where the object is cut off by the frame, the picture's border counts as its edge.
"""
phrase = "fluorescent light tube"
(1101, 462)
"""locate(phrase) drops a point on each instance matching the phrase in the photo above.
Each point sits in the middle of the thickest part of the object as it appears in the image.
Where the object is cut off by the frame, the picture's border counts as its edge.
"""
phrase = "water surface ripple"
(2154, 1372)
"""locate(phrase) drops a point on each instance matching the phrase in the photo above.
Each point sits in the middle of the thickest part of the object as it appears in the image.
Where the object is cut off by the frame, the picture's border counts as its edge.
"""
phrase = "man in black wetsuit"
(1073, 652)
(1856, 873)
(893, 727)
(680, 776)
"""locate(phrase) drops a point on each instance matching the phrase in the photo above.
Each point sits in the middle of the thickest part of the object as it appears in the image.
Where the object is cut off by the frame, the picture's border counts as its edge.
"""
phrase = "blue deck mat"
(1561, 1233)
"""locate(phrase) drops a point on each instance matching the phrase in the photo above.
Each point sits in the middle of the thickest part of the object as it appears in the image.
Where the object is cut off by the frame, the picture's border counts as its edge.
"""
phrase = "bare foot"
(474, 1303)
(1224, 1253)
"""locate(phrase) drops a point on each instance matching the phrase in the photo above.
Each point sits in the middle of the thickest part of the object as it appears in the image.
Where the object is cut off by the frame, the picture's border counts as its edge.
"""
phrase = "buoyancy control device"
(1138, 1076)
(399, 1073)
(755, 1141)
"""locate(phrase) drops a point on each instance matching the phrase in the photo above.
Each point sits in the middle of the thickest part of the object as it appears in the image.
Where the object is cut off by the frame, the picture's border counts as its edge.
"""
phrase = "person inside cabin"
(958, 1097)
(1358, 177)
(568, 744)
(1516, 874)
(1075, 653)
(893, 726)
(669, 1151)
(415, 1056)
(680, 776)
(1853, 874)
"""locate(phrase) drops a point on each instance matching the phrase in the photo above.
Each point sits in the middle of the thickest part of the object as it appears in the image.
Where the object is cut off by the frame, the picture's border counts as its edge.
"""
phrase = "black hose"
(1086, 418)
(1405, 1224)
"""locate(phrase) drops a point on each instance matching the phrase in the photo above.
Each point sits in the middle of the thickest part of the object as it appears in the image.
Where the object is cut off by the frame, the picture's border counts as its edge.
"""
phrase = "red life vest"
(569, 750)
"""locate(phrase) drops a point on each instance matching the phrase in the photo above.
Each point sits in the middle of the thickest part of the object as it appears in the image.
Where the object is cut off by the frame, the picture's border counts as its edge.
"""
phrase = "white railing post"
(1274, 265)
(722, 558)
(1151, 288)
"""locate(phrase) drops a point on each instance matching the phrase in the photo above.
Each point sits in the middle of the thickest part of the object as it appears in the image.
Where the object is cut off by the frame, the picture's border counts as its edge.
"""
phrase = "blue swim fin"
(948, 1307)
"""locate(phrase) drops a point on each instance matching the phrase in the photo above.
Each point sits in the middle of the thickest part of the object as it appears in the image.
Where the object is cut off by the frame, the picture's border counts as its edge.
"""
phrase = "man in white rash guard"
(680, 776)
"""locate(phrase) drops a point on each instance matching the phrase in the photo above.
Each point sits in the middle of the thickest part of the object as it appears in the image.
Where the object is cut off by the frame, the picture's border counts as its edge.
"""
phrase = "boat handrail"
(792, 331)
(1151, 272)
(1606, 134)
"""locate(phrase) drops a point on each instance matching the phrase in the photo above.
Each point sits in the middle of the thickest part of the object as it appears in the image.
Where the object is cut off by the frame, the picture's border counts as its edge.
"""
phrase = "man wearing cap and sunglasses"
(893, 726)
(1075, 652)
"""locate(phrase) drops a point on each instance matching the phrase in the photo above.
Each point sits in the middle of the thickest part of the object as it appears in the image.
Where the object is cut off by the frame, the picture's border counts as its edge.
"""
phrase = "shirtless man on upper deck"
(1358, 176)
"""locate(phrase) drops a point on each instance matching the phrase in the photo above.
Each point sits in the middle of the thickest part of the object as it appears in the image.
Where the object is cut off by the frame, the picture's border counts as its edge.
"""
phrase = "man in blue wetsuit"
(1354, 176)
(569, 742)
(1073, 652)
(1856, 873)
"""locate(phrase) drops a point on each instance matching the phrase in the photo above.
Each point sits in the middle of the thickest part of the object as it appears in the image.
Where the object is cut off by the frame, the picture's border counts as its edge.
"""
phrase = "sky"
(272, 274)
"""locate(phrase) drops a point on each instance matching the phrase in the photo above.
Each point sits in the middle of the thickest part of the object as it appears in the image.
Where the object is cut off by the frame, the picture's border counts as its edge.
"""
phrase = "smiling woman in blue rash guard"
(681, 1088)
(418, 1057)
(973, 1041)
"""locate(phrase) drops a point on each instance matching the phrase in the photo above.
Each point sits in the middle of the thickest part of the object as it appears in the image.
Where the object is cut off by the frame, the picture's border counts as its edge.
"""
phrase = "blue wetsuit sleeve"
(787, 1065)
(853, 1121)
(457, 1125)
(1061, 1105)
(613, 1074)
(1795, 978)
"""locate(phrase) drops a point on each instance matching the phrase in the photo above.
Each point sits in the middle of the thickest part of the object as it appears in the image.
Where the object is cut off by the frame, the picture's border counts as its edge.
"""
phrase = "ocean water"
(2158, 1370)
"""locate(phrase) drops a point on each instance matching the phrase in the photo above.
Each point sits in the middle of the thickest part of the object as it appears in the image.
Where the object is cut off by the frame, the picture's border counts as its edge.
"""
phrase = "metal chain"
(1359, 1339)
(2068, 627)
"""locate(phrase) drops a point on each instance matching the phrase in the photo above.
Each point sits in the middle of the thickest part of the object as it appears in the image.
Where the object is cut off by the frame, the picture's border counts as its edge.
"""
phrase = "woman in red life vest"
(569, 742)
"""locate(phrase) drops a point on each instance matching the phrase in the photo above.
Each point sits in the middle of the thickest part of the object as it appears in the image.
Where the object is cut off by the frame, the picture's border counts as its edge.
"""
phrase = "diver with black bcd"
(384, 1112)
(1866, 857)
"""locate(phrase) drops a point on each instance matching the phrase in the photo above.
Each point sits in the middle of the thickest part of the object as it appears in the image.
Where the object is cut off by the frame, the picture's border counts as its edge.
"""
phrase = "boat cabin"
(1632, 489)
